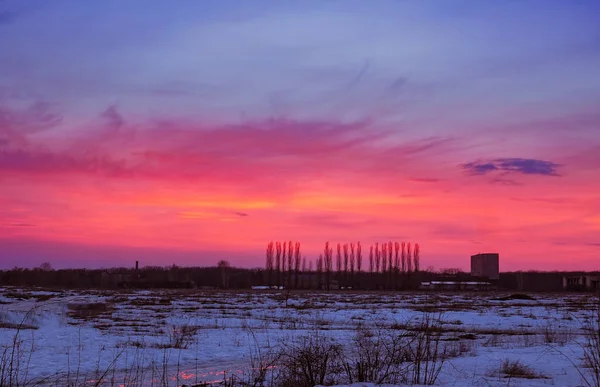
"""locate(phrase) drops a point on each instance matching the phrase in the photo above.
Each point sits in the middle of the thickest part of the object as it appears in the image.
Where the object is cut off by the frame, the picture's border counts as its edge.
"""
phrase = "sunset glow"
(201, 132)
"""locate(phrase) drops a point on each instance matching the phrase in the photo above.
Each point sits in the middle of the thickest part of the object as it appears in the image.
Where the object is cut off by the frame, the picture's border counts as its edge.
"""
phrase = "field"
(193, 337)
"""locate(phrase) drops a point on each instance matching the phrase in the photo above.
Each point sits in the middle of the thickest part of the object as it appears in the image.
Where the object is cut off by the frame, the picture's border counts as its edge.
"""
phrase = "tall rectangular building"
(486, 265)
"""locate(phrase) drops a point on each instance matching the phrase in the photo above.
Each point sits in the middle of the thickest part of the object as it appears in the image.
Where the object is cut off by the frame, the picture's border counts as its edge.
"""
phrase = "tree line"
(390, 266)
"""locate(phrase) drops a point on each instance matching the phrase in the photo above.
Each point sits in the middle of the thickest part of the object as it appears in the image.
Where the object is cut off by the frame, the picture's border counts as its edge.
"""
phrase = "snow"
(226, 327)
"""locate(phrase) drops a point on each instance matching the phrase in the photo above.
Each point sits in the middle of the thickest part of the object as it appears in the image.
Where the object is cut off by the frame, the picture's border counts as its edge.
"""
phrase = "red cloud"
(269, 152)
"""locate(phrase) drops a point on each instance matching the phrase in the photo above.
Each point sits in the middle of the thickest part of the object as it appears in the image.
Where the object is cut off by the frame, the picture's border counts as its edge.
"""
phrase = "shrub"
(427, 354)
(309, 361)
(591, 349)
(182, 336)
(378, 356)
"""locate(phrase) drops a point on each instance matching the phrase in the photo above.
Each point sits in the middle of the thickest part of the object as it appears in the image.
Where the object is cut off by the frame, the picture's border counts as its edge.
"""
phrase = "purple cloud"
(512, 165)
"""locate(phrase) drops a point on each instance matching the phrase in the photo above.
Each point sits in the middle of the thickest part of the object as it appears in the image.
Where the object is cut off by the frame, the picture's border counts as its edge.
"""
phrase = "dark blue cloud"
(479, 168)
(516, 165)
(528, 166)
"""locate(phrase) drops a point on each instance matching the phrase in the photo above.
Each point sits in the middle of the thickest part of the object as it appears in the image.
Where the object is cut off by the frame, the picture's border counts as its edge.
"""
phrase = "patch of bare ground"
(90, 311)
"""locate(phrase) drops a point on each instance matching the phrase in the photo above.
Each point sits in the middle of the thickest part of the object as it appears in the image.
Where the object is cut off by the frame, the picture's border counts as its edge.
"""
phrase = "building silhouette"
(486, 266)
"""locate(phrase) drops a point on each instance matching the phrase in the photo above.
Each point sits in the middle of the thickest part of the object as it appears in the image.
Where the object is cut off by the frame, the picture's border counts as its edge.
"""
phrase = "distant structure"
(455, 285)
(486, 266)
(582, 282)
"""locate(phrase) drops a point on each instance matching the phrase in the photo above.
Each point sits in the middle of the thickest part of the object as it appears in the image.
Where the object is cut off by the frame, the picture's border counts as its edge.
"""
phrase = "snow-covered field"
(187, 337)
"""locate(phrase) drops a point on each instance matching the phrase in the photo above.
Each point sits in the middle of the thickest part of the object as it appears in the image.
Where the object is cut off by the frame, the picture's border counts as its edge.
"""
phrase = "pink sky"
(171, 148)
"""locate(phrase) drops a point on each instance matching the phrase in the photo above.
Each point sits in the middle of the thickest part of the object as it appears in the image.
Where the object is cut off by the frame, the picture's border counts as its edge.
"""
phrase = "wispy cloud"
(512, 165)
(274, 152)
(425, 180)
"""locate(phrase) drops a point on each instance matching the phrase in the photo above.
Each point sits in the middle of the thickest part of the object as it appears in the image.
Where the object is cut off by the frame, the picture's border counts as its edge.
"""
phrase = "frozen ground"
(186, 337)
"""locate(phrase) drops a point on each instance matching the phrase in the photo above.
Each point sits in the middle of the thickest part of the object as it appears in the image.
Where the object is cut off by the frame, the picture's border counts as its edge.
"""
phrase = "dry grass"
(516, 369)
(90, 311)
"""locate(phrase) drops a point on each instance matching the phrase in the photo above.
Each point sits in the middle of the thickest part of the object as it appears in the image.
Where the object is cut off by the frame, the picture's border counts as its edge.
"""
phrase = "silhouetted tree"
(303, 272)
(290, 265)
(403, 257)
(283, 258)
(384, 257)
(224, 268)
(408, 258)
(320, 271)
(296, 263)
(358, 257)
(417, 256)
(371, 265)
(377, 258)
(338, 262)
(269, 263)
(352, 258)
(390, 258)
(46, 266)
(397, 264)
(278, 262)
(346, 260)
(328, 256)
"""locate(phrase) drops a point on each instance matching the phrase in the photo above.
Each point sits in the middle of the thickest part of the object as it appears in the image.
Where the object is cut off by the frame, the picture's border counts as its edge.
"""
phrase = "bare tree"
(371, 265)
(417, 256)
(46, 266)
(377, 258)
(408, 256)
(296, 263)
(390, 257)
(352, 257)
(328, 256)
(338, 262)
(269, 264)
(283, 257)
(397, 257)
(224, 268)
(290, 266)
(303, 271)
(358, 257)
(384, 256)
(403, 257)
(346, 257)
(397, 264)
(278, 262)
(320, 271)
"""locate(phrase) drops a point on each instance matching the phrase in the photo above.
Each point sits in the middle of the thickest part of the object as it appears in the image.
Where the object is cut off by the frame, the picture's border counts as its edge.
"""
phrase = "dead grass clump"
(517, 296)
(182, 336)
(44, 297)
(454, 349)
(553, 335)
(19, 296)
(151, 301)
(11, 325)
(28, 323)
(89, 311)
(516, 369)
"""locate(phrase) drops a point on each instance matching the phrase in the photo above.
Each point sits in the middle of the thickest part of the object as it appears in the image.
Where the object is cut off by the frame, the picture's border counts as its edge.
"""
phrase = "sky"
(189, 132)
